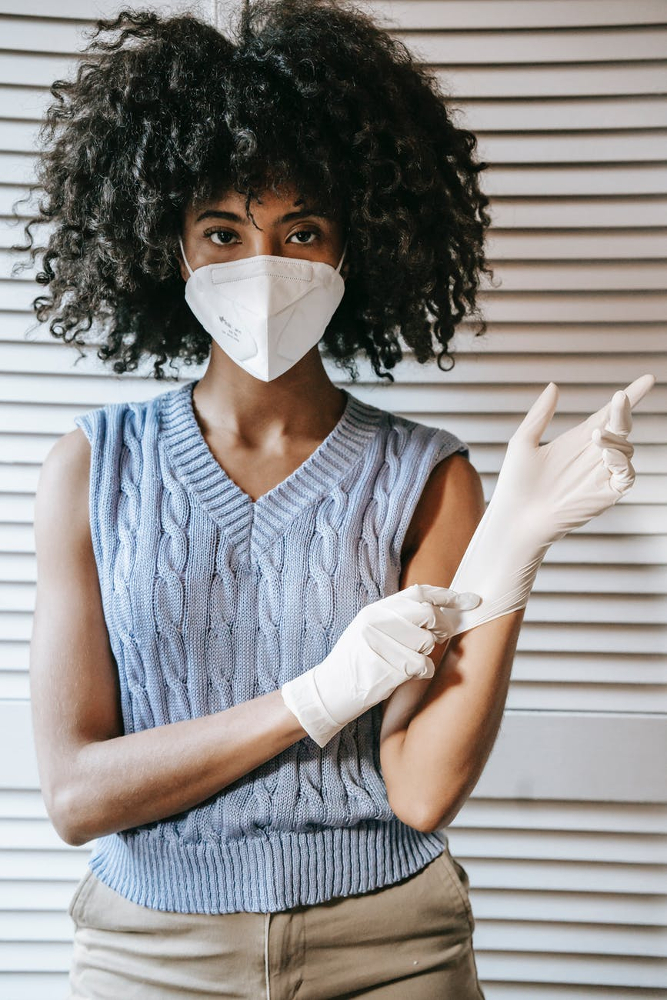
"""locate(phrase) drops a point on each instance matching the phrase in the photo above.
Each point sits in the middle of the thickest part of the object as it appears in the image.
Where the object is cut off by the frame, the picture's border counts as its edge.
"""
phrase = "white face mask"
(266, 311)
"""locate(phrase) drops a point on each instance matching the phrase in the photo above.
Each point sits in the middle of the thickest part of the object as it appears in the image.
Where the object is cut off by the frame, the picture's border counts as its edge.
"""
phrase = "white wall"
(565, 836)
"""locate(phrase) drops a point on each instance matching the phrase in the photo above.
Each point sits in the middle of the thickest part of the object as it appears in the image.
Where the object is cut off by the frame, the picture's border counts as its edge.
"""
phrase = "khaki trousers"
(411, 940)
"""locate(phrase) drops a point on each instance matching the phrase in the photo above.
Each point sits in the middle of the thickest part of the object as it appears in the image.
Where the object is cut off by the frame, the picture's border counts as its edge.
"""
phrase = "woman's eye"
(305, 232)
(219, 232)
(225, 237)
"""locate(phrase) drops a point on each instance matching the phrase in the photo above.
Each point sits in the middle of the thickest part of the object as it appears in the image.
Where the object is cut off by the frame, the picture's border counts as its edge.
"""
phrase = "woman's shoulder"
(127, 417)
(410, 434)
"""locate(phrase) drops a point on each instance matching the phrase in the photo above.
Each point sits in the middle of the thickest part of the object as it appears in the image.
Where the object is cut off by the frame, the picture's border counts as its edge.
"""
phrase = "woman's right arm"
(94, 779)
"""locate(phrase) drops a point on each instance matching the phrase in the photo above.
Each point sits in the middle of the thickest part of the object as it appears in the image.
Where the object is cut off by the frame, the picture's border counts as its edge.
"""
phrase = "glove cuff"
(303, 700)
(500, 564)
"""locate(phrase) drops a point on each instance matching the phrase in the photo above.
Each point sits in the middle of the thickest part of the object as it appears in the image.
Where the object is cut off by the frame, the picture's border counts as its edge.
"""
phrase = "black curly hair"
(316, 94)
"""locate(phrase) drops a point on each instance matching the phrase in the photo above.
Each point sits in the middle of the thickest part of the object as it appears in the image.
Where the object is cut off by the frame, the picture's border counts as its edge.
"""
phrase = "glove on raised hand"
(541, 494)
(385, 644)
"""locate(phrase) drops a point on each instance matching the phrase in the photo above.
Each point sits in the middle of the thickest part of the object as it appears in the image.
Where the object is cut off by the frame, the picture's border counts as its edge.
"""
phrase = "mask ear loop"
(340, 262)
(184, 257)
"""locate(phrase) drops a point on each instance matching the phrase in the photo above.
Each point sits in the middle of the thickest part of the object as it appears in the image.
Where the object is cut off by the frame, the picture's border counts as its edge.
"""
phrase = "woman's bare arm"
(437, 734)
(95, 780)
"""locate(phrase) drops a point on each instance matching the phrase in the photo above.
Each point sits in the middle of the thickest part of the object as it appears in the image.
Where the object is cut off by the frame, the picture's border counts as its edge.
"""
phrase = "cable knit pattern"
(212, 599)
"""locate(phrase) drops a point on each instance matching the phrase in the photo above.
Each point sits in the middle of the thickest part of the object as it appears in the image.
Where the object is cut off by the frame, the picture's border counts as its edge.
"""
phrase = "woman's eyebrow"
(216, 213)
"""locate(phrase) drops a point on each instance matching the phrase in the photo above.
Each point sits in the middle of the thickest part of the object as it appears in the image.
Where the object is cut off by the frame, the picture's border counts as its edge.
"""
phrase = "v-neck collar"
(252, 524)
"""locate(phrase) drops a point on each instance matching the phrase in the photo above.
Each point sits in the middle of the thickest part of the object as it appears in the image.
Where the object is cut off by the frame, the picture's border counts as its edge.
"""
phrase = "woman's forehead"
(286, 201)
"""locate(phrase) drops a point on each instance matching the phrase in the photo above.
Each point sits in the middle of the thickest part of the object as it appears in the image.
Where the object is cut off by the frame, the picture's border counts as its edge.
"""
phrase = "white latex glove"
(541, 494)
(385, 644)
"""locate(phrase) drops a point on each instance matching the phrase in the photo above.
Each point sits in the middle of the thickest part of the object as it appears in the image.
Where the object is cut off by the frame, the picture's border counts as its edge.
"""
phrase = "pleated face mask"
(265, 312)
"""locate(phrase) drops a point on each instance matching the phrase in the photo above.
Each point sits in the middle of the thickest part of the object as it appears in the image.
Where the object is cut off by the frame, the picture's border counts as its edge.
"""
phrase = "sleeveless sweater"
(211, 599)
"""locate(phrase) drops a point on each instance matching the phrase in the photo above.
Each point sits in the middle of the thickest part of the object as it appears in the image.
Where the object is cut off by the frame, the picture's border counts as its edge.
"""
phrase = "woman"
(241, 582)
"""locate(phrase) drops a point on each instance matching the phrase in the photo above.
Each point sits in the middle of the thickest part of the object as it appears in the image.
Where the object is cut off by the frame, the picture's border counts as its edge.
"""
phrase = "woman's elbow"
(65, 816)
(420, 816)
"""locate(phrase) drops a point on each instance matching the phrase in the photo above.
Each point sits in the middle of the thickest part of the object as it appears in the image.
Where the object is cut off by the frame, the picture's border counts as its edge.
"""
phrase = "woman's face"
(284, 226)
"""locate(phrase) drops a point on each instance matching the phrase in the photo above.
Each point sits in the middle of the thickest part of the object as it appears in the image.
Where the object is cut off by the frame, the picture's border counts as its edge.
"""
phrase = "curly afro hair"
(170, 112)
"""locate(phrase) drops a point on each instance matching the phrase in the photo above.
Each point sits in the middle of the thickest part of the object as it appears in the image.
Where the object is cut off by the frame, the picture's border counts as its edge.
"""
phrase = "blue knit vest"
(212, 599)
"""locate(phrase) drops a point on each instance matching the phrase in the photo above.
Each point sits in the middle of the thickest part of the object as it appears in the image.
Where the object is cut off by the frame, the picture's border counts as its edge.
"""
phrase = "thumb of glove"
(538, 418)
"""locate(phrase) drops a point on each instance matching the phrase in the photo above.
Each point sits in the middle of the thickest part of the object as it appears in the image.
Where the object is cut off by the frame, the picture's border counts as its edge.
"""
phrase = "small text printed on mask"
(232, 332)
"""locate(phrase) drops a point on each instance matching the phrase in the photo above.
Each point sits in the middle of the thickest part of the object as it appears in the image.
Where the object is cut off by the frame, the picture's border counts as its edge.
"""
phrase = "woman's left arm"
(438, 733)
(435, 750)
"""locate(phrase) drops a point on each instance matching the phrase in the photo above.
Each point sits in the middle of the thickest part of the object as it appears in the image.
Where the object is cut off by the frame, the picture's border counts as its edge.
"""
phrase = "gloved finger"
(419, 614)
(464, 600)
(447, 624)
(605, 439)
(538, 418)
(638, 389)
(622, 471)
(635, 393)
(424, 668)
(413, 662)
(441, 596)
(404, 621)
(620, 416)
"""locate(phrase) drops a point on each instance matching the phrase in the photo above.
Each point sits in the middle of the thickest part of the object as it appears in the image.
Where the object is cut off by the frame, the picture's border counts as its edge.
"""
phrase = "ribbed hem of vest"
(262, 874)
